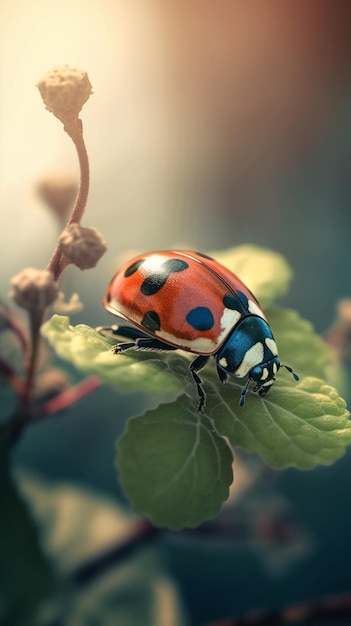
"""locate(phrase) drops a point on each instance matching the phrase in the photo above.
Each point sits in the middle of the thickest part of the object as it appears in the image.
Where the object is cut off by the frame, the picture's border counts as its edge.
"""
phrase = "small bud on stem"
(82, 246)
(33, 289)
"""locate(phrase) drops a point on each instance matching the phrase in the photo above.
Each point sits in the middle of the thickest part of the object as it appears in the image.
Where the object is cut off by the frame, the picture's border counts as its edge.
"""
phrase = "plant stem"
(21, 417)
(68, 397)
(142, 532)
(74, 128)
(18, 331)
(11, 376)
(36, 319)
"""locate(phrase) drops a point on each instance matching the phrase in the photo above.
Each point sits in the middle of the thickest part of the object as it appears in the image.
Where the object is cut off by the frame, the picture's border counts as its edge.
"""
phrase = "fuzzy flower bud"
(64, 91)
(82, 246)
(33, 289)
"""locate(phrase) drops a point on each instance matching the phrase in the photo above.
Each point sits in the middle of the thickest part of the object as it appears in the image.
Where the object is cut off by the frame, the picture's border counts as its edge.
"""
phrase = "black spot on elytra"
(108, 297)
(151, 321)
(153, 283)
(200, 318)
(243, 299)
(133, 268)
(230, 302)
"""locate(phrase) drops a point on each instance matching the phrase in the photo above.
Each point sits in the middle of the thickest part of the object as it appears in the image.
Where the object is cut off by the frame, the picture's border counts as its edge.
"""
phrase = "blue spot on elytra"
(200, 318)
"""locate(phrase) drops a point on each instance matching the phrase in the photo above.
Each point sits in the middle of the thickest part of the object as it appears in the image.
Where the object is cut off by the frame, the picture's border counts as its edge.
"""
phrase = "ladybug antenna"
(296, 377)
(243, 392)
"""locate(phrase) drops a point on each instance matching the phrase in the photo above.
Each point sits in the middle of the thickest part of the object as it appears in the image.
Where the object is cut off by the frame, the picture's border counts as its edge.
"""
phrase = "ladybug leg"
(140, 340)
(121, 347)
(195, 367)
(222, 375)
(143, 342)
(129, 332)
(150, 343)
(244, 392)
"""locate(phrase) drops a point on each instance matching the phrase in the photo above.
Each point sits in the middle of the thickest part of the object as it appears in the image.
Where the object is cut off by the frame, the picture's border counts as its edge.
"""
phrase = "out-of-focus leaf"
(26, 579)
(77, 526)
(265, 272)
(299, 345)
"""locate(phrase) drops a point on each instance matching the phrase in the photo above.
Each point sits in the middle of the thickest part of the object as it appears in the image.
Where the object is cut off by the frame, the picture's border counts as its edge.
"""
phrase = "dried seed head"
(33, 289)
(74, 305)
(82, 246)
(58, 191)
(64, 91)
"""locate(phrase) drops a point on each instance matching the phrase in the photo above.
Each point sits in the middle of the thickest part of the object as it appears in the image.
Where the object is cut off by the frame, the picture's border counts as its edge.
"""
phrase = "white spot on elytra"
(227, 322)
(223, 362)
(275, 368)
(153, 264)
(200, 345)
(255, 309)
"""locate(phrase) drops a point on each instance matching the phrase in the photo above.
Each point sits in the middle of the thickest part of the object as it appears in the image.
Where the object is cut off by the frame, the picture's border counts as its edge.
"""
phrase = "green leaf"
(78, 526)
(174, 467)
(265, 272)
(300, 425)
(91, 353)
(299, 345)
(26, 579)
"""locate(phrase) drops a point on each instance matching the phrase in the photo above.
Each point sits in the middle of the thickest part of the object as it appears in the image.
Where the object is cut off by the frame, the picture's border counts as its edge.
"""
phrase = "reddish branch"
(68, 397)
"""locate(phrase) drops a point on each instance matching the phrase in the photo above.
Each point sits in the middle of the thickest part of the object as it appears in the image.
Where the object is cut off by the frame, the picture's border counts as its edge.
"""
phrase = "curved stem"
(74, 128)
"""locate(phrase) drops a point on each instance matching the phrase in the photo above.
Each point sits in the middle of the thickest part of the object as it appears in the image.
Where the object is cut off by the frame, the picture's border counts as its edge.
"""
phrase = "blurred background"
(212, 124)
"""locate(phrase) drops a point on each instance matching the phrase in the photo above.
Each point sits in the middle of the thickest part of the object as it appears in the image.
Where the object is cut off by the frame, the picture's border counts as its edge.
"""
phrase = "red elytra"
(171, 285)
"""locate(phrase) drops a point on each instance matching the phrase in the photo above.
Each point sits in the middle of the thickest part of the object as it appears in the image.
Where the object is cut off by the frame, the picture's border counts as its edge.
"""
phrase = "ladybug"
(186, 300)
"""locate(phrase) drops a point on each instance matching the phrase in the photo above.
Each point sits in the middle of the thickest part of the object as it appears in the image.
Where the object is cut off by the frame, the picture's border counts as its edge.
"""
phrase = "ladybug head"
(250, 350)
(264, 376)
